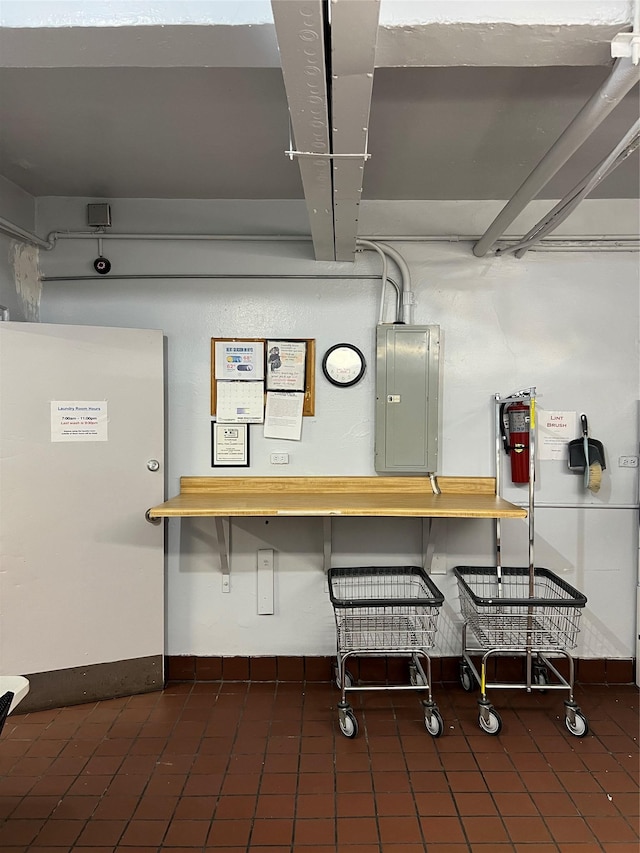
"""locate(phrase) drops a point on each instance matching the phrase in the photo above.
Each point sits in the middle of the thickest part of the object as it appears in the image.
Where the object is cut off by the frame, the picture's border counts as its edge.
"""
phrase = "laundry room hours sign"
(79, 420)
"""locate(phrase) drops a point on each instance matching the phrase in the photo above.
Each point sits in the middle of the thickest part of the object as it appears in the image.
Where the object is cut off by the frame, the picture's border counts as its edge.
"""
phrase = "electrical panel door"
(407, 399)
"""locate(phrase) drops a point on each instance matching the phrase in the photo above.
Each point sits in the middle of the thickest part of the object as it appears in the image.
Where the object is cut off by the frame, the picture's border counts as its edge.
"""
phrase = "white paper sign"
(286, 365)
(240, 402)
(555, 431)
(79, 420)
(283, 415)
(239, 360)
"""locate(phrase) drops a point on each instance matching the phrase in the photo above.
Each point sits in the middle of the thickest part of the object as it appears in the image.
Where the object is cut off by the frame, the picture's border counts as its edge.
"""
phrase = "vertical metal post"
(498, 485)
(532, 485)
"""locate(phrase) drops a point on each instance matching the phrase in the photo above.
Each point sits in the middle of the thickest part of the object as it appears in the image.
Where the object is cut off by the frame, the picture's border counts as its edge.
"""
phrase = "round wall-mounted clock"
(343, 365)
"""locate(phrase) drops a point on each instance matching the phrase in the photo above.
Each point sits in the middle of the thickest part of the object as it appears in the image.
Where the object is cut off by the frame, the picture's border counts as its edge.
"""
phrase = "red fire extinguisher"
(515, 437)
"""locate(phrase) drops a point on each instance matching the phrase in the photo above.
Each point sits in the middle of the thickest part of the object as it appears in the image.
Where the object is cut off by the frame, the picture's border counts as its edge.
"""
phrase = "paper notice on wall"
(79, 420)
(286, 365)
(239, 360)
(283, 415)
(555, 431)
(240, 402)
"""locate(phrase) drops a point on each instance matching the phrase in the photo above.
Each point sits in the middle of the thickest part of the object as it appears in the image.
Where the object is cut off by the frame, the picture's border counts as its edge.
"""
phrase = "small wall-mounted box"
(99, 215)
(407, 399)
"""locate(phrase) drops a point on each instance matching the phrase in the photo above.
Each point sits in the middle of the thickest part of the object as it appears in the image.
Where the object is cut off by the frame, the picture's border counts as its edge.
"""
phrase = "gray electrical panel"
(407, 399)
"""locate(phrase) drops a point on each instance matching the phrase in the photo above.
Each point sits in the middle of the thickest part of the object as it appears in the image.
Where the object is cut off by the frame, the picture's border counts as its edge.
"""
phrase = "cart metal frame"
(389, 610)
(523, 612)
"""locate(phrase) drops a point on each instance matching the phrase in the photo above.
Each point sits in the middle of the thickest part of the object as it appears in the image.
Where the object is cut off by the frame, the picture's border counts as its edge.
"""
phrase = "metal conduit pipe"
(265, 238)
(320, 277)
(627, 145)
(548, 244)
(473, 238)
(213, 275)
(366, 244)
(12, 230)
(407, 294)
(16, 231)
(621, 80)
(54, 236)
(620, 248)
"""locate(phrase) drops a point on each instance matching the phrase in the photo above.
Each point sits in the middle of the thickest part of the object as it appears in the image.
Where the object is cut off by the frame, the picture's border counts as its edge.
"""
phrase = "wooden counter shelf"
(224, 498)
(461, 497)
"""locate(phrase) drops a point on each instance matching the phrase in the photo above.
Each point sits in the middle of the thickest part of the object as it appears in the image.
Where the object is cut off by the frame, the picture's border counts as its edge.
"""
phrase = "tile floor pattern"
(263, 767)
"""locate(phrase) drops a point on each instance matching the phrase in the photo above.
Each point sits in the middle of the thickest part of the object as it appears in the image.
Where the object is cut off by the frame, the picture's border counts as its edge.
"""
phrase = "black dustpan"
(577, 449)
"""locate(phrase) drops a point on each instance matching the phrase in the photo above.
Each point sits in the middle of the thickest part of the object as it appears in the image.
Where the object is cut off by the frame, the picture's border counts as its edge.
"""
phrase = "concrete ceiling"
(459, 105)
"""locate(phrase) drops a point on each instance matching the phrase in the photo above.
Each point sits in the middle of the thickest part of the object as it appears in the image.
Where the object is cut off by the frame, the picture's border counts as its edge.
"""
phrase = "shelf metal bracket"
(326, 546)
(223, 537)
(434, 563)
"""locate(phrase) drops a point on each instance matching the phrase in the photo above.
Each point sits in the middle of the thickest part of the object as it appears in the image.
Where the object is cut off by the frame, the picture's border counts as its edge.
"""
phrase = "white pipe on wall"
(367, 244)
(22, 234)
(19, 233)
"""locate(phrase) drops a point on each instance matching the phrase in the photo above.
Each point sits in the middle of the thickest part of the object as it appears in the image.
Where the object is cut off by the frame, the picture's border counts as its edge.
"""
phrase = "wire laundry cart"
(391, 610)
(528, 612)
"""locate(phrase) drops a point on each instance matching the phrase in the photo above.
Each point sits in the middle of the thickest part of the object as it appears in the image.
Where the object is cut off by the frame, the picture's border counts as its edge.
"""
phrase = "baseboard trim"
(81, 684)
(320, 669)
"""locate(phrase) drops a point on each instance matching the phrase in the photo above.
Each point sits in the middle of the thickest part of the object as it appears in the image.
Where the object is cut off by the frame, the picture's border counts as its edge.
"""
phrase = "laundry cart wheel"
(348, 678)
(348, 722)
(467, 680)
(433, 721)
(490, 721)
(415, 677)
(540, 675)
(576, 723)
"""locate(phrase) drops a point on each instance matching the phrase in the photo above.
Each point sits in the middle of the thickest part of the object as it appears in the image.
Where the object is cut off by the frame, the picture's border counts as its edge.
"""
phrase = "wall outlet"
(627, 462)
(279, 458)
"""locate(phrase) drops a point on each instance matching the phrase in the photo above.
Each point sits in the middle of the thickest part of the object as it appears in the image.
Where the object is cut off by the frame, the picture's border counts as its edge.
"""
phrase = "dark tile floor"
(237, 766)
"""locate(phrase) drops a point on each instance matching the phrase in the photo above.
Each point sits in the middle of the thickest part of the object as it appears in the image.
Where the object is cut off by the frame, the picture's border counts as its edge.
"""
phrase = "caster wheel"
(348, 678)
(467, 681)
(540, 676)
(492, 725)
(433, 722)
(415, 678)
(348, 724)
(579, 726)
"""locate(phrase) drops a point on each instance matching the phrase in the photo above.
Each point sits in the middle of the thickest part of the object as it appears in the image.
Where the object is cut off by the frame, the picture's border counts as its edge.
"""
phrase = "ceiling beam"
(354, 29)
(443, 44)
(300, 30)
(188, 46)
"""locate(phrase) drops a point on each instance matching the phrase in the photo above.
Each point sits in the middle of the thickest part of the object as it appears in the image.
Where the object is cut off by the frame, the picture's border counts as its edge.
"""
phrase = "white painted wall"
(566, 323)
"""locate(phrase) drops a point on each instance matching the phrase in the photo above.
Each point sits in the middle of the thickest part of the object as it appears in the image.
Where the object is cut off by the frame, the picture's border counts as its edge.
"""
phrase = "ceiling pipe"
(627, 146)
(22, 234)
(54, 236)
(249, 276)
(621, 80)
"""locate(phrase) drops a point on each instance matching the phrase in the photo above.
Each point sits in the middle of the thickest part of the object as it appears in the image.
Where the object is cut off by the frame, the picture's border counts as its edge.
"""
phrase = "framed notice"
(229, 445)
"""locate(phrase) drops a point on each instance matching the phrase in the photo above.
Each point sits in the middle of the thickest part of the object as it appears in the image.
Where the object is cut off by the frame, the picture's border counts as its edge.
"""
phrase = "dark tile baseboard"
(393, 670)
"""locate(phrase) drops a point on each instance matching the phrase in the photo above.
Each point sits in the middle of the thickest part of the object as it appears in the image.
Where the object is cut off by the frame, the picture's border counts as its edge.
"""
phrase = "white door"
(81, 570)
